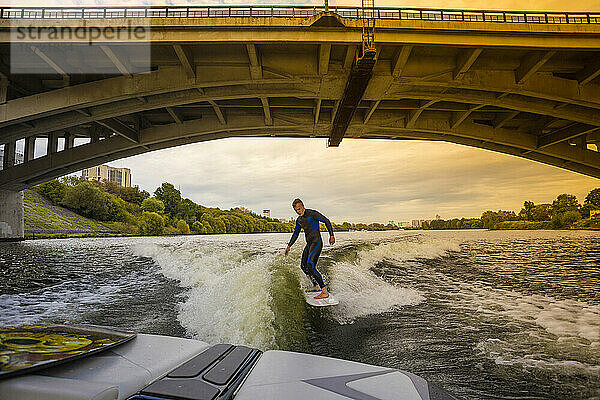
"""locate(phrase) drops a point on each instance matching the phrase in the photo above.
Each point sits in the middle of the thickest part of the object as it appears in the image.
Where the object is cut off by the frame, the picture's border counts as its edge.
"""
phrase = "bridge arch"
(525, 84)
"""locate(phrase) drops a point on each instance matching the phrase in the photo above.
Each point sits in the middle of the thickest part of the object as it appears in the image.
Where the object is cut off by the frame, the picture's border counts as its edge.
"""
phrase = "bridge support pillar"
(29, 153)
(12, 224)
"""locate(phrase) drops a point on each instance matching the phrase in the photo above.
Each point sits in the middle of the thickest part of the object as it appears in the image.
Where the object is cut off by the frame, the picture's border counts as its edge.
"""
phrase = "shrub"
(564, 203)
(123, 227)
(53, 190)
(116, 208)
(153, 204)
(87, 200)
(523, 225)
(171, 230)
(565, 219)
(197, 227)
(587, 224)
(183, 227)
(152, 224)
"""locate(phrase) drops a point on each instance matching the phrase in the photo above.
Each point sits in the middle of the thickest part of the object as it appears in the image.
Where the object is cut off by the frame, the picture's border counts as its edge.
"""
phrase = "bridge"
(99, 84)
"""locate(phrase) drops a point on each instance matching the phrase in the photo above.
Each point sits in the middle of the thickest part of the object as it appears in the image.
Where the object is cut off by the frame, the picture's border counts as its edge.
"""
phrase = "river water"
(485, 314)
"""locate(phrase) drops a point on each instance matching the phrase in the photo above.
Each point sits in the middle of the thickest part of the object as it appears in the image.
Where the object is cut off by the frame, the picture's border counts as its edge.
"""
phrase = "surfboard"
(24, 349)
(310, 299)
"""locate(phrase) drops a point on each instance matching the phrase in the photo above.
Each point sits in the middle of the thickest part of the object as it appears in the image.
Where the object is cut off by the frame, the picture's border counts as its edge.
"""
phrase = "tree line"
(132, 210)
(564, 212)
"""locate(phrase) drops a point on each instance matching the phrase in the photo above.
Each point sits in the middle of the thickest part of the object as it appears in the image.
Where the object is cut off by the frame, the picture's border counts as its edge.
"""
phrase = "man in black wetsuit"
(309, 221)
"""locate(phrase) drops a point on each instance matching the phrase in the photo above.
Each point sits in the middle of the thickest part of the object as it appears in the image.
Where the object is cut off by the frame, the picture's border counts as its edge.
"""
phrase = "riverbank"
(584, 224)
(46, 218)
(42, 219)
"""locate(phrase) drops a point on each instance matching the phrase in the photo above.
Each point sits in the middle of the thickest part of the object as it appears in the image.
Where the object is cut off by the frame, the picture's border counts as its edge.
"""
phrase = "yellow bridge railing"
(425, 14)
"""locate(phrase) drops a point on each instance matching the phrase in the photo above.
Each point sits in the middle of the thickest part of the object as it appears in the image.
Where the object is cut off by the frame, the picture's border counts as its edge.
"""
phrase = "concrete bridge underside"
(529, 90)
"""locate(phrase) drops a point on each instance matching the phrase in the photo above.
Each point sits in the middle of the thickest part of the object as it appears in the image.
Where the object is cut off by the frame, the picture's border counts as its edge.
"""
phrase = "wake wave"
(67, 301)
(409, 249)
(362, 293)
(560, 328)
(229, 291)
(248, 293)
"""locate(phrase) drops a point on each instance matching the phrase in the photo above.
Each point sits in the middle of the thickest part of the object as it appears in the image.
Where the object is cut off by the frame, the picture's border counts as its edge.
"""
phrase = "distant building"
(404, 224)
(18, 158)
(120, 176)
(418, 223)
(267, 213)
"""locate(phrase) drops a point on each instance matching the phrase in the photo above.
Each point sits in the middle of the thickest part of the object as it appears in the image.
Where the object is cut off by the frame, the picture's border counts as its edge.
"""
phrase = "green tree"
(542, 212)
(207, 221)
(183, 227)
(129, 194)
(437, 224)
(591, 202)
(87, 200)
(565, 219)
(453, 224)
(346, 226)
(134, 195)
(489, 219)
(186, 209)
(563, 203)
(526, 212)
(116, 208)
(152, 204)
(275, 227)
(507, 215)
(152, 224)
(593, 198)
(249, 226)
(262, 225)
(170, 197)
(197, 227)
(242, 210)
(565, 211)
(207, 227)
(53, 190)
(218, 225)
(73, 180)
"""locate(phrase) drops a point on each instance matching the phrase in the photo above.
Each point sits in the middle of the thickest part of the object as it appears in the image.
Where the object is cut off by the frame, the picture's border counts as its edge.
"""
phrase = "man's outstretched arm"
(327, 223)
(294, 237)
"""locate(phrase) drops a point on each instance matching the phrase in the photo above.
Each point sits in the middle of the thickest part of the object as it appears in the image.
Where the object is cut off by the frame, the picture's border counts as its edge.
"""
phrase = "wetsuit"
(310, 223)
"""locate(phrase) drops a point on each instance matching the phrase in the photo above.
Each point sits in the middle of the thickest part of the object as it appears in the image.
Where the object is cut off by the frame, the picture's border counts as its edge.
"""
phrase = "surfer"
(309, 221)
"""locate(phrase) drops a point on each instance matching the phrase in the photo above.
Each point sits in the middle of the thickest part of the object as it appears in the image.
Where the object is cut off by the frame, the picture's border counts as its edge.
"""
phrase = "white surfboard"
(310, 299)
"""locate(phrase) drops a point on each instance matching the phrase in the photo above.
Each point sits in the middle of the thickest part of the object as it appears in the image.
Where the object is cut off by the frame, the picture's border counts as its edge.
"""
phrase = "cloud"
(362, 180)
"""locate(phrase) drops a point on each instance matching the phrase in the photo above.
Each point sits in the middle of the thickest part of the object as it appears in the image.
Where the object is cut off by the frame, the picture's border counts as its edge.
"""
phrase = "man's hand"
(331, 239)
(287, 250)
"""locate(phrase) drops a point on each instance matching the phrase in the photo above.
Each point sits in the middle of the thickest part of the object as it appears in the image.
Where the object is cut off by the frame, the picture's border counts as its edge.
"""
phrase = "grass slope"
(42, 216)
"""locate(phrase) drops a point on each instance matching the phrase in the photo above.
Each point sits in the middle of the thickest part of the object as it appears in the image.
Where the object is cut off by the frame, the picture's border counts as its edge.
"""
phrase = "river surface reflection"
(485, 314)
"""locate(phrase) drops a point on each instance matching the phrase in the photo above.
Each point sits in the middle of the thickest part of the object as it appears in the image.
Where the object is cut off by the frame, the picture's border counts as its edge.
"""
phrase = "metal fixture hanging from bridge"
(360, 74)
(368, 28)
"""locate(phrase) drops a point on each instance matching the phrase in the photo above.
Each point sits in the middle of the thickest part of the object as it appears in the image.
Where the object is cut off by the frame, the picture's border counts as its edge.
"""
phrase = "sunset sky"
(361, 181)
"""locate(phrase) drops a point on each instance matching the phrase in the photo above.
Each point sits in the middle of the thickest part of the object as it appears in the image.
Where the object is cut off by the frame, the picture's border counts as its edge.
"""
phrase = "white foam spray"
(362, 293)
(229, 291)
(560, 328)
